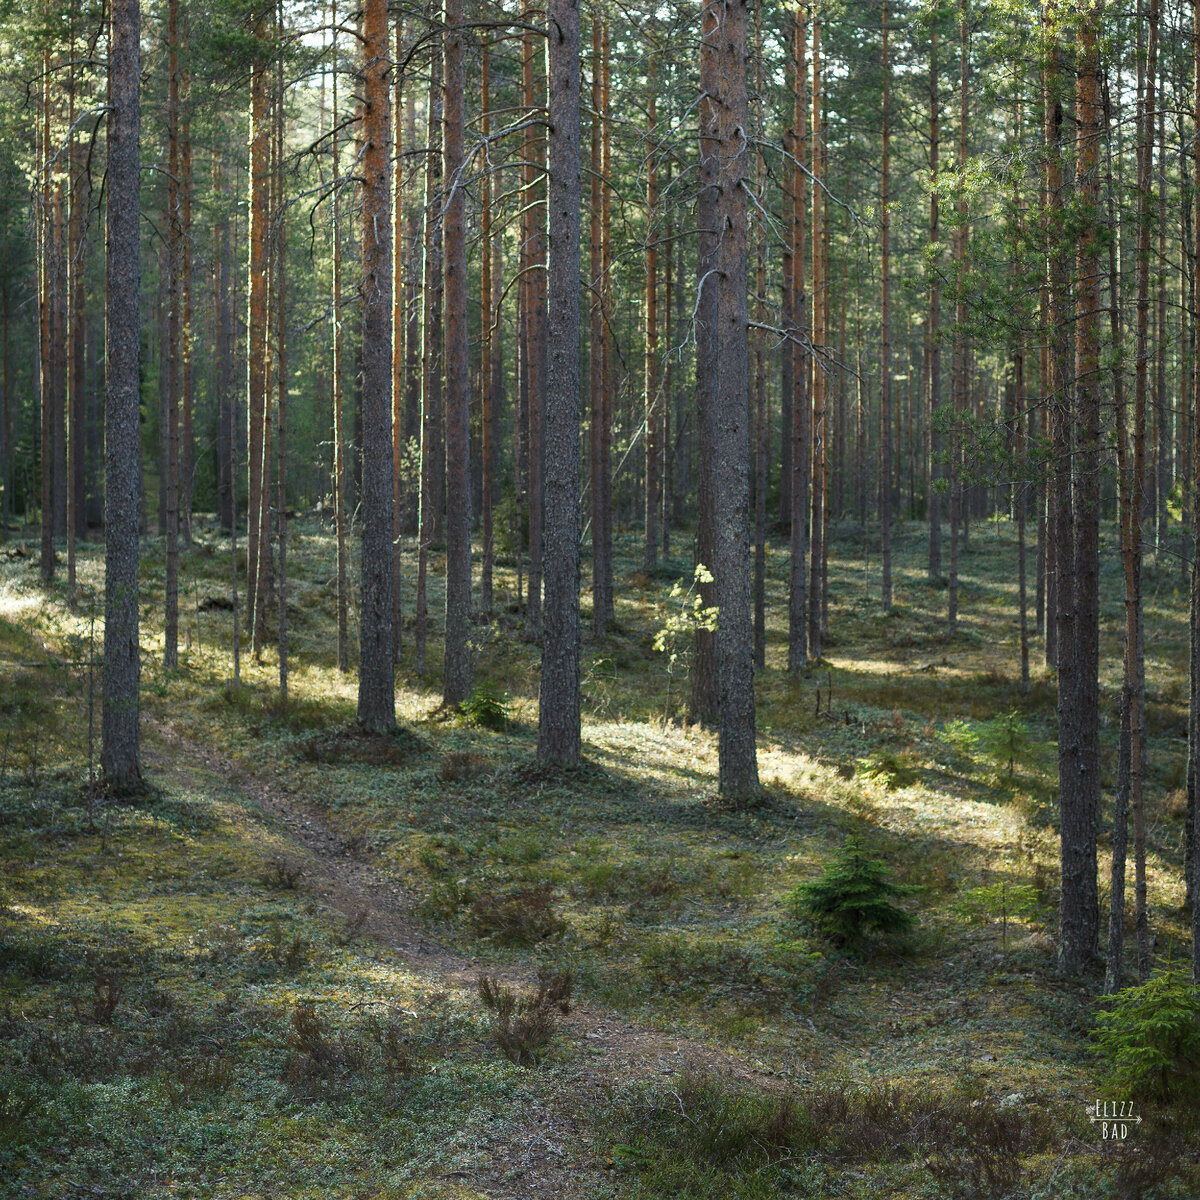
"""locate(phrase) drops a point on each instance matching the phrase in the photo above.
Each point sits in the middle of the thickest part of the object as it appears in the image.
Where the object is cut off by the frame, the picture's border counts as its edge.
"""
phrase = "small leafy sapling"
(683, 613)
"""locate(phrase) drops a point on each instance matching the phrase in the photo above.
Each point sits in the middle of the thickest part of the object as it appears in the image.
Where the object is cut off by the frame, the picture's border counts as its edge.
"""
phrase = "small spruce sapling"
(854, 897)
(1150, 1037)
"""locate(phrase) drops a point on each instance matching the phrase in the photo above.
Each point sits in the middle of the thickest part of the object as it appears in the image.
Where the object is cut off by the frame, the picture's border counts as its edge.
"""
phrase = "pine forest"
(599, 599)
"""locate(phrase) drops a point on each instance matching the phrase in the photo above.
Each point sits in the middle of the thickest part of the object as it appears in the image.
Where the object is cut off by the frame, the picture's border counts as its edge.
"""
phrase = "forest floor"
(262, 979)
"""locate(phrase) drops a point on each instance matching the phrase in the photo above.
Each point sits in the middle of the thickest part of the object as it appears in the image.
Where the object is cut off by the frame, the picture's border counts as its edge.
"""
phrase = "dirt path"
(544, 1152)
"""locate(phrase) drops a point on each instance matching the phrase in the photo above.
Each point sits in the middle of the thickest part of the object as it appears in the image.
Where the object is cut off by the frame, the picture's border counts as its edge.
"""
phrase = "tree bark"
(339, 423)
(432, 464)
(120, 757)
(487, 318)
(258, 548)
(376, 652)
(650, 410)
(885, 319)
(819, 376)
(1077, 471)
(704, 697)
(457, 664)
(933, 353)
(559, 700)
(173, 347)
(800, 451)
(737, 755)
(596, 343)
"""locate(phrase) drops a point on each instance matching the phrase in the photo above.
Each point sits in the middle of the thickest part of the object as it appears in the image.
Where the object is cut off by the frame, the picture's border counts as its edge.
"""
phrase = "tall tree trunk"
(704, 694)
(820, 378)
(120, 757)
(256, 401)
(80, 195)
(1193, 776)
(44, 225)
(606, 270)
(281, 401)
(376, 652)
(650, 411)
(6, 404)
(960, 384)
(170, 468)
(400, 269)
(885, 322)
(458, 667)
(596, 342)
(800, 451)
(1135, 683)
(432, 465)
(336, 372)
(187, 448)
(559, 701)
(1077, 469)
(535, 293)
(933, 340)
(487, 316)
(737, 755)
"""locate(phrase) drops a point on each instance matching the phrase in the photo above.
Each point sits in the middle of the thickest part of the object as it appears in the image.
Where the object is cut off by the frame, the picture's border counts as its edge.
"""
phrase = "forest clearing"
(262, 977)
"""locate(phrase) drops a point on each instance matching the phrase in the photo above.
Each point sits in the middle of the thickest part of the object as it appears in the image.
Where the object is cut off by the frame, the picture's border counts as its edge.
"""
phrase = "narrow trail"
(546, 1151)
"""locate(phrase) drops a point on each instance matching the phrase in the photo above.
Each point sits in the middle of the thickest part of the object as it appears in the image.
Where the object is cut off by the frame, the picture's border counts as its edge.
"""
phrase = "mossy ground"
(205, 923)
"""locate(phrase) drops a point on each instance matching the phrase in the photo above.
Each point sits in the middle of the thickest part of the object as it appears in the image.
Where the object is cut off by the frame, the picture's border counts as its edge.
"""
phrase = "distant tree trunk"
(1022, 464)
(376, 657)
(428, 521)
(761, 426)
(737, 755)
(535, 302)
(80, 196)
(222, 346)
(666, 459)
(820, 379)
(58, 357)
(1193, 777)
(650, 412)
(800, 451)
(258, 549)
(596, 344)
(704, 697)
(961, 380)
(788, 348)
(933, 341)
(44, 233)
(885, 366)
(339, 423)
(761, 434)
(399, 327)
(1162, 415)
(559, 700)
(172, 349)
(458, 666)
(1059, 552)
(487, 316)
(1135, 683)
(120, 757)
(187, 449)
(412, 304)
(6, 378)
(281, 402)
(606, 270)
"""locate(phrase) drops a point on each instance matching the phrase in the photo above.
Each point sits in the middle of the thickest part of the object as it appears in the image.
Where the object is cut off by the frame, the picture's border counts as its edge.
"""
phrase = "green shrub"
(854, 897)
(1150, 1037)
(486, 707)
